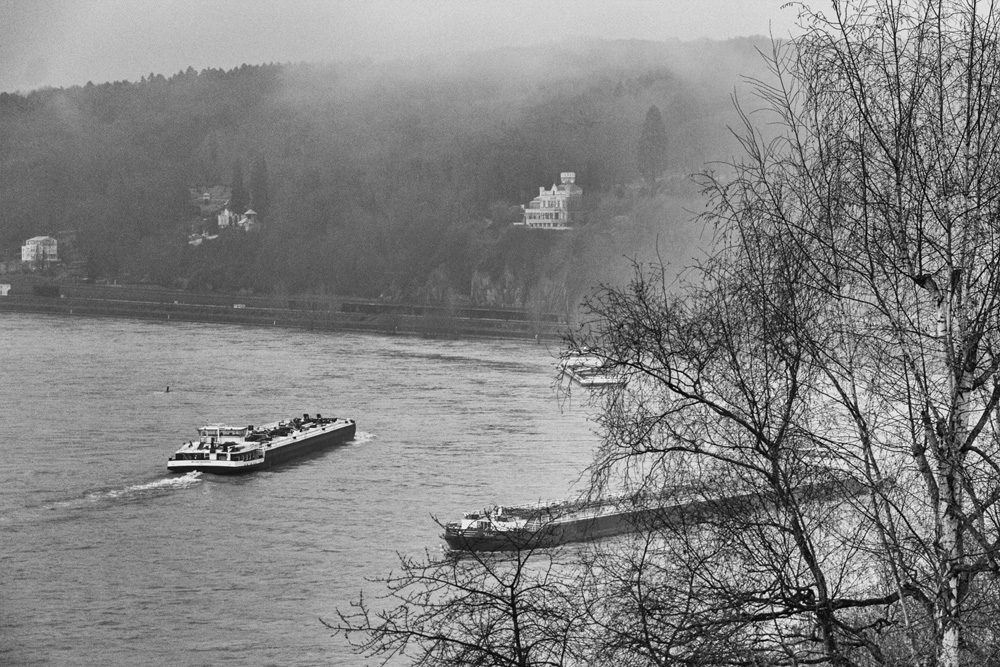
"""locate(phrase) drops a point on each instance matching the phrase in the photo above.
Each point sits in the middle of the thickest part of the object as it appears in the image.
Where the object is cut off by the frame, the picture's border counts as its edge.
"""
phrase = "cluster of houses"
(246, 222)
(215, 206)
(552, 209)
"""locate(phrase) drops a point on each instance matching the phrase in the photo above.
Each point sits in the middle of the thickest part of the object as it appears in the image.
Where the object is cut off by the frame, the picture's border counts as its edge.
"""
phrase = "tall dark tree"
(652, 159)
(239, 199)
(260, 198)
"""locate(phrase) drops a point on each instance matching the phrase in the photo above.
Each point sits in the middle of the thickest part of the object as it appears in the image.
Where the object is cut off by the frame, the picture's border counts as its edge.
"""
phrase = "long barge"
(233, 450)
(545, 525)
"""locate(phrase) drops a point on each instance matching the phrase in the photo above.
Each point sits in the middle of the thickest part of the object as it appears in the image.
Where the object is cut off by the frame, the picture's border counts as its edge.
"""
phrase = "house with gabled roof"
(551, 209)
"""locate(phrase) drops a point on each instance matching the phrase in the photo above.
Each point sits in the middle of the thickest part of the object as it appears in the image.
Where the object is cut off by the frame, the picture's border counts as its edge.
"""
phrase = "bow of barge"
(545, 525)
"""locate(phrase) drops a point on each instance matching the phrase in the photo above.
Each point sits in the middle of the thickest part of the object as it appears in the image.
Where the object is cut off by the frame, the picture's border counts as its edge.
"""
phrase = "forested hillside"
(397, 180)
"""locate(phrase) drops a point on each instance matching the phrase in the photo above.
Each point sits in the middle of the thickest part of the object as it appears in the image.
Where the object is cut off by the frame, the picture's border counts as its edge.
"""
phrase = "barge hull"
(308, 446)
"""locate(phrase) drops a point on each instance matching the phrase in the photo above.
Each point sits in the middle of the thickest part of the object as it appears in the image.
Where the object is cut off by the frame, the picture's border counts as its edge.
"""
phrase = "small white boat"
(587, 369)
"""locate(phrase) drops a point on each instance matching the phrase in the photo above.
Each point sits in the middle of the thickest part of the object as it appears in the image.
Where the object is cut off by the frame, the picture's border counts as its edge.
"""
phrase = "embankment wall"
(312, 313)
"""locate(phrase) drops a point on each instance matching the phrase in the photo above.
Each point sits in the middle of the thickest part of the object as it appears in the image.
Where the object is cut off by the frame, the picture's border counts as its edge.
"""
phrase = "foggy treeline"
(397, 180)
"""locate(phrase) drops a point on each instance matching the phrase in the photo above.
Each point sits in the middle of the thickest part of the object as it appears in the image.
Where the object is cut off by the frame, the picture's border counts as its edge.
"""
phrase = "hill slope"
(397, 179)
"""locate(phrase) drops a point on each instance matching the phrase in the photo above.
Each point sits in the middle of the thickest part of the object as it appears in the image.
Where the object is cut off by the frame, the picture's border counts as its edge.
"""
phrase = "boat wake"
(361, 437)
(132, 492)
(165, 484)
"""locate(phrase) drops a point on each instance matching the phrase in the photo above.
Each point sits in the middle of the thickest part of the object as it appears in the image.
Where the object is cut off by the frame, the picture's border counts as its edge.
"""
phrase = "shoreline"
(325, 314)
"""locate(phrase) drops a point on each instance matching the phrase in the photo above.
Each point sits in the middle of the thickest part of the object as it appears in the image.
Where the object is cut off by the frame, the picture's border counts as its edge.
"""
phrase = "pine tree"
(260, 198)
(652, 159)
(238, 200)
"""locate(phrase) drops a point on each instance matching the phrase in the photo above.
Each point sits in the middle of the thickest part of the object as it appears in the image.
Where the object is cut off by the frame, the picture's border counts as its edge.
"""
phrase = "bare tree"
(823, 401)
(510, 608)
(845, 329)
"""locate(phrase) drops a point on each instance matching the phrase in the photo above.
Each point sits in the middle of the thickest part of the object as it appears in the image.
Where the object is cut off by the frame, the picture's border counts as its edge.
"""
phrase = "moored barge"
(545, 525)
(510, 528)
(232, 450)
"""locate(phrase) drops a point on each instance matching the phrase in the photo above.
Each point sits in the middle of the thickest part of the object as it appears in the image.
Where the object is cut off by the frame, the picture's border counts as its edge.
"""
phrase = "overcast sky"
(69, 42)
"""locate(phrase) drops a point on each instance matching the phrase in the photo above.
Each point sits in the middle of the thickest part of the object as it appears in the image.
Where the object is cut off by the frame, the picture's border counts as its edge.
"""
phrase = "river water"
(106, 559)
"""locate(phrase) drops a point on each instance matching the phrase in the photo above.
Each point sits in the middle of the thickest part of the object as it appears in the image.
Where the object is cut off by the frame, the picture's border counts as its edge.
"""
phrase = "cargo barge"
(511, 528)
(232, 450)
(540, 526)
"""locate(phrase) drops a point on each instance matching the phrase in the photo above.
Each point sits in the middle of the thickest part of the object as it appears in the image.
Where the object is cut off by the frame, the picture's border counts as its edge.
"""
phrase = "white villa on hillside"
(551, 208)
(40, 251)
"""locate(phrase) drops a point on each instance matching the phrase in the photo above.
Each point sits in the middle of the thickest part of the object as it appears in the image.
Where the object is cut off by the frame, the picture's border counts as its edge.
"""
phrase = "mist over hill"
(396, 180)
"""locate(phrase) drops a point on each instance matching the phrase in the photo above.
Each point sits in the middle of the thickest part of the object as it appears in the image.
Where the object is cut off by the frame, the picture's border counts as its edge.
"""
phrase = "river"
(107, 559)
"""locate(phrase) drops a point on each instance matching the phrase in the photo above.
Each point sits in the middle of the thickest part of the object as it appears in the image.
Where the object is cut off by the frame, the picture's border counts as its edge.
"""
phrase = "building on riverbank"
(40, 252)
(552, 209)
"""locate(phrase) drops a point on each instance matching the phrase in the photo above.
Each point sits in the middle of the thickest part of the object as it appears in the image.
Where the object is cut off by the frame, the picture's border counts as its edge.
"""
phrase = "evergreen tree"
(238, 200)
(259, 187)
(652, 146)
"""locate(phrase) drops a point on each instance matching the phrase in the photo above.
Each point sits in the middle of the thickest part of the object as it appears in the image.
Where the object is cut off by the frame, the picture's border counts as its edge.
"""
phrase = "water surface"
(107, 559)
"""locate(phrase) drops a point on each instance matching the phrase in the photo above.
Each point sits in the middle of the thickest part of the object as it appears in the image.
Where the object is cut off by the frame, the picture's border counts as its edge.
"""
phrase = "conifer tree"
(238, 200)
(259, 187)
(652, 158)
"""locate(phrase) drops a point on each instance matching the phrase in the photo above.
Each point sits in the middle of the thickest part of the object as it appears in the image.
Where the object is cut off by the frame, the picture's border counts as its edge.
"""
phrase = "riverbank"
(311, 313)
